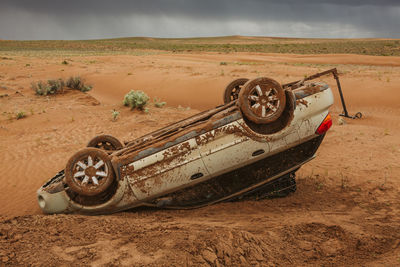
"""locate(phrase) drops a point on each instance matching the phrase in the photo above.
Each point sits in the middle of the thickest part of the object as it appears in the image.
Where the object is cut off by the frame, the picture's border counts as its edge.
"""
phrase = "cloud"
(183, 18)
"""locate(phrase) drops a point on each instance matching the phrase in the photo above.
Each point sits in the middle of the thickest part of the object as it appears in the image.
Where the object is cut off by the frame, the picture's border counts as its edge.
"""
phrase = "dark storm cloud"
(181, 18)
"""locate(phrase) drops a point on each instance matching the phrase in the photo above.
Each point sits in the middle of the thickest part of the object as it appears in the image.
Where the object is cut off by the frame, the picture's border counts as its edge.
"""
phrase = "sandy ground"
(346, 210)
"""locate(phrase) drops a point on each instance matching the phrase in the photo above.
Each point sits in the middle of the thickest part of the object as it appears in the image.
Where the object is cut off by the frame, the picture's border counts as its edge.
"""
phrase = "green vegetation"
(78, 84)
(57, 86)
(136, 99)
(50, 88)
(158, 103)
(114, 114)
(388, 47)
(20, 115)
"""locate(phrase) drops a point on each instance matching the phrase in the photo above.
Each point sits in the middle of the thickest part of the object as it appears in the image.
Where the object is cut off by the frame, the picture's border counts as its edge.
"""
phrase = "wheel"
(89, 172)
(232, 90)
(262, 100)
(105, 142)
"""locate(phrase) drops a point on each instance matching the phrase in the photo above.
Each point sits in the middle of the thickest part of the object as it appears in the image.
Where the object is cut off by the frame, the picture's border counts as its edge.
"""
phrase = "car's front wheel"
(89, 172)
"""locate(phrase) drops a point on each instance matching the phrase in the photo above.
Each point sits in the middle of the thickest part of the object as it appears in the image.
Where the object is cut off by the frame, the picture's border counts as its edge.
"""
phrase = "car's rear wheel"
(262, 100)
(232, 90)
(105, 142)
(89, 172)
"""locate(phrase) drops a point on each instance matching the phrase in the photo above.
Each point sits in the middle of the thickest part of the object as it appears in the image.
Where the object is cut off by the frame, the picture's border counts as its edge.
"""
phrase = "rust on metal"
(302, 102)
(170, 130)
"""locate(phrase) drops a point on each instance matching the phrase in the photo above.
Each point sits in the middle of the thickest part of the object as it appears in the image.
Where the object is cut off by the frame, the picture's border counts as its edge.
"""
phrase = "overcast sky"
(91, 19)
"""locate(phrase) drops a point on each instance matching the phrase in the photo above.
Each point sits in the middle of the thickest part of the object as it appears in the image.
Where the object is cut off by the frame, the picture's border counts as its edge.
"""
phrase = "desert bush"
(114, 114)
(56, 86)
(42, 88)
(64, 62)
(50, 88)
(20, 115)
(136, 99)
(78, 84)
(158, 103)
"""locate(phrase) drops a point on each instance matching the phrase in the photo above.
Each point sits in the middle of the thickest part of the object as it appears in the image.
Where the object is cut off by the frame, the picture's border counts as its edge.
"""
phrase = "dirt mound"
(257, 233)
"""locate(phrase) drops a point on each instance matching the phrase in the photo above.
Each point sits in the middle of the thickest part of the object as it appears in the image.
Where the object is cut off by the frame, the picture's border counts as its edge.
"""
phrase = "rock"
(17, 237)
(331, 247)
(258, 256)
(396, 244)
(308, 255)
(341, 121)
(209, 256)
(81, 255)
(305, 245)
(243, 261)
(227, 260)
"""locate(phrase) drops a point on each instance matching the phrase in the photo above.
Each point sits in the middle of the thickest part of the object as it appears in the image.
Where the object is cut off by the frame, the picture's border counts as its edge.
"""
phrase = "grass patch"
(227, 44)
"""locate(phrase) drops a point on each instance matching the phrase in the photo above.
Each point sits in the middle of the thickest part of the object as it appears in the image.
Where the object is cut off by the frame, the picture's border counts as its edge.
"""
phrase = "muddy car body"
(217, 155)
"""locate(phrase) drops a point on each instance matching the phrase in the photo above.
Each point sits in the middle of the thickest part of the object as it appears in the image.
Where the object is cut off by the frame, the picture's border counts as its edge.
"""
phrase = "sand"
(346, 210)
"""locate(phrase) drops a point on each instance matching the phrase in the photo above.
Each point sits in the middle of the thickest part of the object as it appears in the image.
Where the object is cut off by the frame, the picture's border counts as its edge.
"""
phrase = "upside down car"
(253, 144)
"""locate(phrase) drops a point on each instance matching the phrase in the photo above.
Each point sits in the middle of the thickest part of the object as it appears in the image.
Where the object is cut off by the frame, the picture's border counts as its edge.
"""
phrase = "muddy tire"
(232, 90)
(262, 100)
(89, 172)
(105, 142)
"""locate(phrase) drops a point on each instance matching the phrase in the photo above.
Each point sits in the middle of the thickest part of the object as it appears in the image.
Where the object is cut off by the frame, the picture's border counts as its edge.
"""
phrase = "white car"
(253, 144)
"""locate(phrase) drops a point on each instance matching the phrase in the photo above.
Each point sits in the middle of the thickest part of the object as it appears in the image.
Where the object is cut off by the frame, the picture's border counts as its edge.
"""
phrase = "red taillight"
(325, 125)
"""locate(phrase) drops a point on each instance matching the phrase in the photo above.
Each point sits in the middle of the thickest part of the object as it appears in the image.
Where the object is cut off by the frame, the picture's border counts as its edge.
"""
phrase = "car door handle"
(196, 176)
(258, 152)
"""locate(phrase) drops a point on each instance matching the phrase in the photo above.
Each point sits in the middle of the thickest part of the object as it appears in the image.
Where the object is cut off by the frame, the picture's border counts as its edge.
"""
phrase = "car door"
(166, 171)
(224, 149)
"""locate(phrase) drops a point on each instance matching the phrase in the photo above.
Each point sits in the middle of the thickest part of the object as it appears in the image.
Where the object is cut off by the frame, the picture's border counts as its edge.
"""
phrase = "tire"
(262, 100)
(105, 142)
(232, 90)
(89, 172)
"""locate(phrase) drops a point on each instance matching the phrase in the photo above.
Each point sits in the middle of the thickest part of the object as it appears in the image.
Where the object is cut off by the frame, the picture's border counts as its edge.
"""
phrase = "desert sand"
(346, 210)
